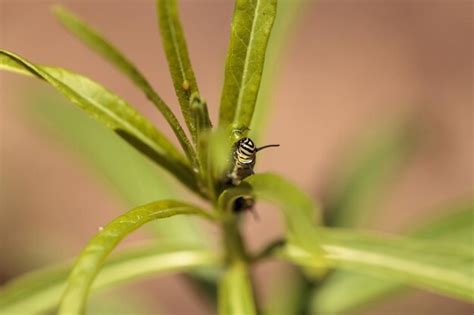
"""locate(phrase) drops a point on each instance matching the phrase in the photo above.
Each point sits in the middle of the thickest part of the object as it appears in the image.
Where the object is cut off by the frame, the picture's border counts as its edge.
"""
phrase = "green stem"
(236, 252)
(233, 242)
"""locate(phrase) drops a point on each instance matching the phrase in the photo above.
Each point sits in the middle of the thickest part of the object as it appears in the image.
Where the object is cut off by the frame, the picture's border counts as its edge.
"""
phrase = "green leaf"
(96, 42)
(219, 151)
(40, 291)
(251, 27)
(446, 269)
(289, 292)
(300, 211)
(455, 228)
(203, 132)
(200, 115)
(372, 164)
(109, 109)
(125, 172)
(94, 254)
(172, 36)
(128, 174)
(283, 27)
(235, 291)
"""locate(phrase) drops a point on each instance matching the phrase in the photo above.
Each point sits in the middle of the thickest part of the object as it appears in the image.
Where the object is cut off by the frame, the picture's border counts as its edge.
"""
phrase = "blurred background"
(350, 72)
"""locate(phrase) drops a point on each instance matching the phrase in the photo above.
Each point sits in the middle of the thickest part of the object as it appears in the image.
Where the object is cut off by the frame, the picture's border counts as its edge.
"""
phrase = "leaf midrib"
(341, 253)
(246, 63)
(119, 120)
(175, 45)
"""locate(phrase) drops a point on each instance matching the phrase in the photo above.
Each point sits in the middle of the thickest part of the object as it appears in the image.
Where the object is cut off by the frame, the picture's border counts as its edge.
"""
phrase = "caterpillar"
(244, 158)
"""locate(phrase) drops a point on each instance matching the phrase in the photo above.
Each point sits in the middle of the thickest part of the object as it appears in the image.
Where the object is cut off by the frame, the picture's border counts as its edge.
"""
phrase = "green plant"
(437, 257)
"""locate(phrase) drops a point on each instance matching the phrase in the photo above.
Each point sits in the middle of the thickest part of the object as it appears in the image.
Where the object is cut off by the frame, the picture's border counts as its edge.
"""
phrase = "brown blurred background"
(348, 66)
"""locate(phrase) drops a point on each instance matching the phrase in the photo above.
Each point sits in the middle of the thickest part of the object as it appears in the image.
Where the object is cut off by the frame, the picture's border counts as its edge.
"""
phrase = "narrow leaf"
(96, 42)
(94, 254)
(428, 265)
(251, 27)
(300, 211)
(455, 228)
(235, 291)
(129, 175)
(284, 26)
(109, 109)
(40, 291)
(200, 115)
(203, 132)
(289, 292)
(361, 181)
(203, 129)
(174, 42)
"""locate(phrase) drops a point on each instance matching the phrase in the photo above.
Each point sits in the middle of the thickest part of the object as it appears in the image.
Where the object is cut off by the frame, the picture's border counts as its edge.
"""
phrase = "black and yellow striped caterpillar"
(243, 159)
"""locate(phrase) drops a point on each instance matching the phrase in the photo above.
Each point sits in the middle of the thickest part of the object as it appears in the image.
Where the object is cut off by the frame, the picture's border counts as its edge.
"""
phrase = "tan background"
(349, 65)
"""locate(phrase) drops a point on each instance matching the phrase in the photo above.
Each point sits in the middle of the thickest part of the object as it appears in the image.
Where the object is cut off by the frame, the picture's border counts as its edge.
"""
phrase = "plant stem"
(236, 252)
(233, 242)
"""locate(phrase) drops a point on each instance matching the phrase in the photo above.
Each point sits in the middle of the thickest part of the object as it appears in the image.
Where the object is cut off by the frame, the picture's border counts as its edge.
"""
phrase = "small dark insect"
(244, 159)
(245, 203)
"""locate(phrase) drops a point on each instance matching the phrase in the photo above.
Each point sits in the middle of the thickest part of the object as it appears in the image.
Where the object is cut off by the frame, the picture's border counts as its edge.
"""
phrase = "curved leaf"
(429, 265)
(235, 291)
(94, 254)
(178, 59)
(40, 291)
(455, 228)
(251, 27)
(96, 42)
(300, 211)
(125, 172)
(109, 109)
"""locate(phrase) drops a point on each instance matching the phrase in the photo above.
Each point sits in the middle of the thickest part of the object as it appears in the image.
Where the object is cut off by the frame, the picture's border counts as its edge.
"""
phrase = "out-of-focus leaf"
(455, 228)
(300, 211)
(362, 180)
(109, 109)
(219, 155)
(174, 42)
(289, 293)
(134, 178)
(286, 16)
(203, 132)
(251, 27)
(113, 303)
(97, 42)
(235, 291)
(40, 291)
(446, 269)
(94, 254)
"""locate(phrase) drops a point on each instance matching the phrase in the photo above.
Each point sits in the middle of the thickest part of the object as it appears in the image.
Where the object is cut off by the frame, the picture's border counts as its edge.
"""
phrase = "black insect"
(244, 159)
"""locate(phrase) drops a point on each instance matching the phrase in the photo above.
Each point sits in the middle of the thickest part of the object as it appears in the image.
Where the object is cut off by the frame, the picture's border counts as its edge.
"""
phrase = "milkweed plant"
(340, 267)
